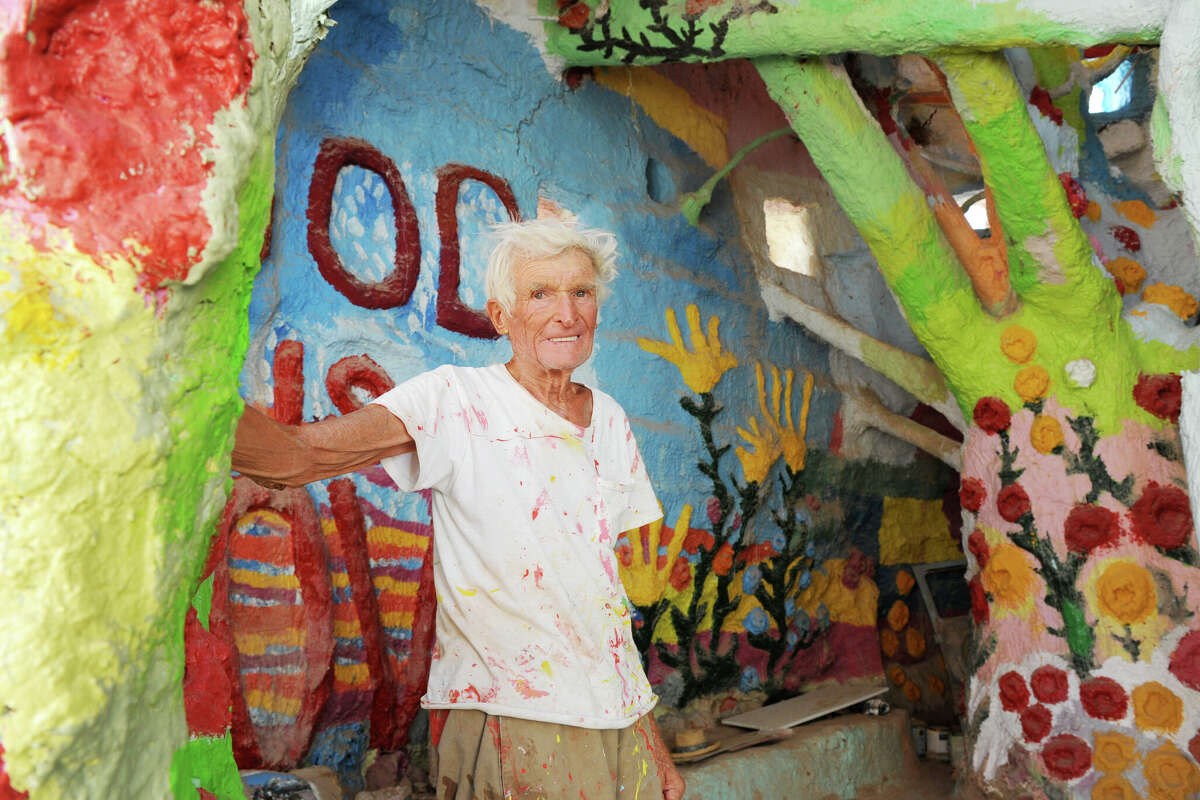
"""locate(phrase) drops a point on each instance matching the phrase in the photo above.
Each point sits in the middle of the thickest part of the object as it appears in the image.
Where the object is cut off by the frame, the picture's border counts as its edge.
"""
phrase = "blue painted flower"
(756, 621)
(789, 607)
(822, 617)
(811, 550)
(751, 578)
(750, 680)
(803, 516)
(805, 579)
(802, 623)
(793, 636)
(779, 541)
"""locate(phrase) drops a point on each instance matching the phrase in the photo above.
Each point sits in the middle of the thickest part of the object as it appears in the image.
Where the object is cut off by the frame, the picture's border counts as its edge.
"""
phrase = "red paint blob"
(109, 104)
(1185, 661)
(977, 544)
(992, 415)
(1012, 502)
(1089, 527)
(1066, 757)
(1014, 694)
(972, 494)
(1076, 196)
(1049, 684)
(1162, 517)
(1161, 395)
(1035, 723)
(979, 603)
(1127, 237)
(1040, 99)
(1103, 698)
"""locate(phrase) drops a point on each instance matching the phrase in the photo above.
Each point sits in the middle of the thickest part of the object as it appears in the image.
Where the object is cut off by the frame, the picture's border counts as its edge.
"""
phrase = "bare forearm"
(668, 774)
(292, 455)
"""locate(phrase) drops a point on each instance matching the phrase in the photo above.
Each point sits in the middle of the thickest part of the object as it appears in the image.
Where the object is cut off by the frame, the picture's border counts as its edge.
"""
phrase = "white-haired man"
(535, 689)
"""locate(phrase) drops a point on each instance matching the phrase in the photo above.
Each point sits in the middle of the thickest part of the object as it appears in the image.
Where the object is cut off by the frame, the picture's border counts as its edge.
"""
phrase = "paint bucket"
(957, 747)
(919, 736)
(938, 744)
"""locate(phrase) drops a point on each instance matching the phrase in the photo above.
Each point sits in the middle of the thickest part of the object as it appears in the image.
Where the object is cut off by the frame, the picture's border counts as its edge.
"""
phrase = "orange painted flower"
(1170, 775)
(1008, 576)
(1157, 708)
(1114, 787)
(1032, 382)
(1126, 592)
(1018, 343)
(1131, 273)
(936, 685)
(898, 615)
(912, 691)
(896, 675)
(1113, 752)
(889, 642)
(914, 642)
(1175, 298)
(1045, 434)
(904, 582)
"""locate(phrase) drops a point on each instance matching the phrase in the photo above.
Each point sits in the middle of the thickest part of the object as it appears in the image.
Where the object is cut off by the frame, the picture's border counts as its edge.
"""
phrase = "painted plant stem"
(692, 203)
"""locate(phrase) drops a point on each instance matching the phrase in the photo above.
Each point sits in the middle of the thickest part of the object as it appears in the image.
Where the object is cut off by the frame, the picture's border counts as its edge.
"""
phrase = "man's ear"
(496, 314)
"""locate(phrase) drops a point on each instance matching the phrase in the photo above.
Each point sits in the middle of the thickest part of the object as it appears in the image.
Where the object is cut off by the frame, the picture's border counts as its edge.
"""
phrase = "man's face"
(553, 319)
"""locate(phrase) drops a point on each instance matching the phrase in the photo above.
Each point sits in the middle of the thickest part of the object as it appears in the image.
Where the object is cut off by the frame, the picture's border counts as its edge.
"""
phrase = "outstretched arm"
(278, 455)
(668, 775)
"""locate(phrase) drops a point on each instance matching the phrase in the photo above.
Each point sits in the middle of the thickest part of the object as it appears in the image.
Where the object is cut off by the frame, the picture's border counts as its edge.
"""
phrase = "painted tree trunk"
(1085, 675)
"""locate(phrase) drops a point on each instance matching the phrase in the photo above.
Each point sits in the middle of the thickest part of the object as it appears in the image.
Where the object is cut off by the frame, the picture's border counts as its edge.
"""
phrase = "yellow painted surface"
(853, 606)
(396, 619)
(269, 701)
(352, 674)
(1137, 212)
(1173, 297)
(255, 644)
(672, 108)
(386, 583)
(260, 580)
(705, 362)
(915, 532)
(644, 581)
(381, 534)
(346, 628)
(1131, 273)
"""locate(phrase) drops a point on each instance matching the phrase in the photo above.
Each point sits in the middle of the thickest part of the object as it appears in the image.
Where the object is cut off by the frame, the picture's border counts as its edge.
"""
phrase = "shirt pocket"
(614, 499)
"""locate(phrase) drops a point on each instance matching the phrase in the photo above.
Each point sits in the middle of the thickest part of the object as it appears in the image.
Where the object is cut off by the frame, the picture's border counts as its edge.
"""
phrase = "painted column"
(136, 190)
(1083, 664)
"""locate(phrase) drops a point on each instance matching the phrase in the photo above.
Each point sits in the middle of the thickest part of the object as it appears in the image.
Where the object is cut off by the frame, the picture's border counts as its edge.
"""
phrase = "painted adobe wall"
(453, 119)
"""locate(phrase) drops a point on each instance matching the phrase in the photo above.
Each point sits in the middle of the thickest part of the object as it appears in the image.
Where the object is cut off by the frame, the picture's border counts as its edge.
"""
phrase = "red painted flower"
(1185, 661)
(1049, 684)
(1103, 698)
(1161, 395)
(698, 538)
(574, 16)
(972, 494)
(1076, 196)
(1127, 237)
(1035, 723)
(1014, 694)
(681, 574)
(992, 415)
(755, 553)
(1091, 526)
(723, 560)
(979, 603)
(1012, 502)
(1162, 516)
(1066, 757)
(978, 546)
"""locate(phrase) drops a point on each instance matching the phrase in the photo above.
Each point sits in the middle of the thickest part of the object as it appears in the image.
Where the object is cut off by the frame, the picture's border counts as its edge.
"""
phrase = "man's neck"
(555, 390)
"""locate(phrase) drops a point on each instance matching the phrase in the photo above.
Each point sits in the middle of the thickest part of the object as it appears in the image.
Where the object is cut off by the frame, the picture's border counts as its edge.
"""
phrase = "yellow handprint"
(704, 365)
(779, 436)
(645, 576)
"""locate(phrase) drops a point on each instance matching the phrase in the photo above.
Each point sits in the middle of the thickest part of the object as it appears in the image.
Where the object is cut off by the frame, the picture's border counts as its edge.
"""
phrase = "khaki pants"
(477, 756)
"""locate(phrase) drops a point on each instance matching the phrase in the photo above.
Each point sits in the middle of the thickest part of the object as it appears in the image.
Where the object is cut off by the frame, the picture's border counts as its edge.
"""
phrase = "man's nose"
(565, 310)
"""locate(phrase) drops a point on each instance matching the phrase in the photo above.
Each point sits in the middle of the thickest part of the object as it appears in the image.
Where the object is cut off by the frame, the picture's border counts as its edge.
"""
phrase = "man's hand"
(668, 775)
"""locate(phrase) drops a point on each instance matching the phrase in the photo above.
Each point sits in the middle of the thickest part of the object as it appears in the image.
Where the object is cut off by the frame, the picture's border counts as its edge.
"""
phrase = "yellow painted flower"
(646, 574)
(1114, 787)
(1125, 591)
(1018, 343)
(889, 642)
(1157, 708)
(1032, 382)
(1113, 752)
(1008, 576)
(778, 436)
(1046, 433)
(914, 642)
(897, 616)
(1170, 775)
(1129, 271)
(707, 361)
(1173, 297)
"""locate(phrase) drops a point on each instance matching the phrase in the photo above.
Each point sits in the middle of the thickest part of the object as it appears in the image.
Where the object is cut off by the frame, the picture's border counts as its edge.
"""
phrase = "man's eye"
(538, 295)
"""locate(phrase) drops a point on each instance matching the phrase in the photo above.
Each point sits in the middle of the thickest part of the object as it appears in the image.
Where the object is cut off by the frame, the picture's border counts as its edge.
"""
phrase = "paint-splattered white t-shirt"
(531, 619)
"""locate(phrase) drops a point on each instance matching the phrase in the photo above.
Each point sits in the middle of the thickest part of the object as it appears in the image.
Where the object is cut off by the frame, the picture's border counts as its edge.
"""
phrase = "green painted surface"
(206, 762)
(816, 27)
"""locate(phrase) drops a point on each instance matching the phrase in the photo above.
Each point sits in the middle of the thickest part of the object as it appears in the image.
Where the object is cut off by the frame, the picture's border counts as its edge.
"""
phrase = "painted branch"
(862, 411)
(807, 27)
(1047, 244)
(873, 186)
(914, 374)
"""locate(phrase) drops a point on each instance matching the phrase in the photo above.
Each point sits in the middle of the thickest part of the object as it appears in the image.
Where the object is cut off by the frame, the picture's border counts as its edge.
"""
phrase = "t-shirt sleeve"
(429, 407)
(640, 505)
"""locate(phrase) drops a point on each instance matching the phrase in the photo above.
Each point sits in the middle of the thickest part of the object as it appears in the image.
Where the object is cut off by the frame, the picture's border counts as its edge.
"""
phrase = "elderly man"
(535, 688)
